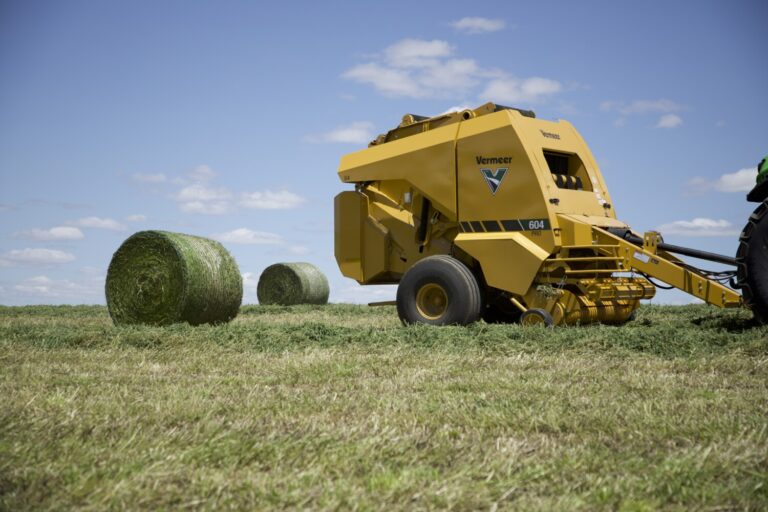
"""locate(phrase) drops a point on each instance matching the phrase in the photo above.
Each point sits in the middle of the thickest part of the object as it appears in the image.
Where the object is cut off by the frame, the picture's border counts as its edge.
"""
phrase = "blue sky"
(228, 119)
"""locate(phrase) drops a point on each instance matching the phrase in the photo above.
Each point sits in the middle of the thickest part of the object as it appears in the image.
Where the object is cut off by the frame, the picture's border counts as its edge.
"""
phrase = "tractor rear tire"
(439, 290)
(752, 261)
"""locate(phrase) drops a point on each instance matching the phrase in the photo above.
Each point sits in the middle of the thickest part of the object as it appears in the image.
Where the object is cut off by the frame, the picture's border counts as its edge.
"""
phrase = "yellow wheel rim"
(532, 319)
(431, 301)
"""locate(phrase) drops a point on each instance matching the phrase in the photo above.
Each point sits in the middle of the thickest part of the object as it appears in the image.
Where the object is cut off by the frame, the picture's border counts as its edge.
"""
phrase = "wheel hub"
(531, 320)
(431, 301)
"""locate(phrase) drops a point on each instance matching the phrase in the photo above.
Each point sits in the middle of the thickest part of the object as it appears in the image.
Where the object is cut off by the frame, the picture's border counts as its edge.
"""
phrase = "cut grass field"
(340, 406)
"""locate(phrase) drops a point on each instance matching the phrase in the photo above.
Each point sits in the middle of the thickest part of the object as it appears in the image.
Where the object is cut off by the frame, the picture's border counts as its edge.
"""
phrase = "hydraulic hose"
(686, 251)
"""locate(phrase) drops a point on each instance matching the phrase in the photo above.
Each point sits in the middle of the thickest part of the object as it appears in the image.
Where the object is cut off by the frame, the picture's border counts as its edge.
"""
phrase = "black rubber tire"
(752, 263)
(539, 316)
(460, 285)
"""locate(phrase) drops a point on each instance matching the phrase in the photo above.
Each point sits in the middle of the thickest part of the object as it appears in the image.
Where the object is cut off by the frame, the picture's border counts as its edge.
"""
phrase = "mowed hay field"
(341, 407)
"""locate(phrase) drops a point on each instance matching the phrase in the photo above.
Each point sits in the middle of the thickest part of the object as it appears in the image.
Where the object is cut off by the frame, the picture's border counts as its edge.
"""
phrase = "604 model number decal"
(490, 226)
(525, 224)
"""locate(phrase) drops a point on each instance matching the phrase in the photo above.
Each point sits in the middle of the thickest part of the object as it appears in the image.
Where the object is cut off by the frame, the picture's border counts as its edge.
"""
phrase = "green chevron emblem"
(493, 179)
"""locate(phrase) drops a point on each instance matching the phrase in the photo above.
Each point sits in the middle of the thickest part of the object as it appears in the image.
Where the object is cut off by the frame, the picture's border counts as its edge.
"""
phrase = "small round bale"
(161, 278)
(287, 284)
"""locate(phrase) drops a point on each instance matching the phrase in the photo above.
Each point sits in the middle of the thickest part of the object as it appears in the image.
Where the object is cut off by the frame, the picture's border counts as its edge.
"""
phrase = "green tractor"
(752, 255)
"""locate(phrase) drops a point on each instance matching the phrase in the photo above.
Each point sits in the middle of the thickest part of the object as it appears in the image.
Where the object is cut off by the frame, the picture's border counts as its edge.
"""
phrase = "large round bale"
(161, 278)
(287, 284)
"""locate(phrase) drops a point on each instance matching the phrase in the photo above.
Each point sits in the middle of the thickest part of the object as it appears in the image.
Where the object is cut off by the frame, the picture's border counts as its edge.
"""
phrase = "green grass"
(340, 406)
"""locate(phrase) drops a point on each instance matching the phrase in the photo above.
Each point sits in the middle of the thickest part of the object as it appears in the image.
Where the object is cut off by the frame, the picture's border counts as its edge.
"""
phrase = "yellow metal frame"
(667, 268)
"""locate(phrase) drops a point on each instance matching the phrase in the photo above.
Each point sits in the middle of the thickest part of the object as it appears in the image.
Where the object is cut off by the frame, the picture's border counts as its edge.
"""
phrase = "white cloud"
(39, 285)
(512, 90)
(641, 106)
(206, 207)
(203, 197)
(360, 132)
(699, 227)
(388, 81)
(100, 223)
(250, 284)
(250, 280)
(199, 198)
(55, 233)
(742, 180)
(136, 218)
(202, 174)
(475, 25)
(456, 108)
(38, 256)
(88, 290)
(416, 53)
(433, 78)
(669, 121)
(149, 178)
(454, 74)
(246, 236)
(697, 186)
(428, 69)
(199, 192)
(269, 200)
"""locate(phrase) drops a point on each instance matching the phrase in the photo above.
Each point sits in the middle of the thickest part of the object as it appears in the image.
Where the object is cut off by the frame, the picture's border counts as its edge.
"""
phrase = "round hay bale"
(161, 278)
(287, 284)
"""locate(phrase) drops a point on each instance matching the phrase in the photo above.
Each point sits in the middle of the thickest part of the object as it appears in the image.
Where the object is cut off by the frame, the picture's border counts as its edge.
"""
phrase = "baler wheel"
(536, 317)
(752, 260)
(438, 290)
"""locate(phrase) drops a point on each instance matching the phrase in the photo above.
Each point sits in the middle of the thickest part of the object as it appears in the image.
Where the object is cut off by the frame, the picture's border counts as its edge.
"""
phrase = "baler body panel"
(426, 162)
(506, 142)
(509, 261)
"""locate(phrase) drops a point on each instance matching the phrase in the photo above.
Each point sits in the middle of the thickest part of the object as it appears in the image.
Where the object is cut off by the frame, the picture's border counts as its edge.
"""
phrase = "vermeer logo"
(550, 135)
(493, 179)
(484, 160)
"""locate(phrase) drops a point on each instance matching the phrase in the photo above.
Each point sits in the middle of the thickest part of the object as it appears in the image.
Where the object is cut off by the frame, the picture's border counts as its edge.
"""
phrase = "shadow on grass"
(736, 324)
